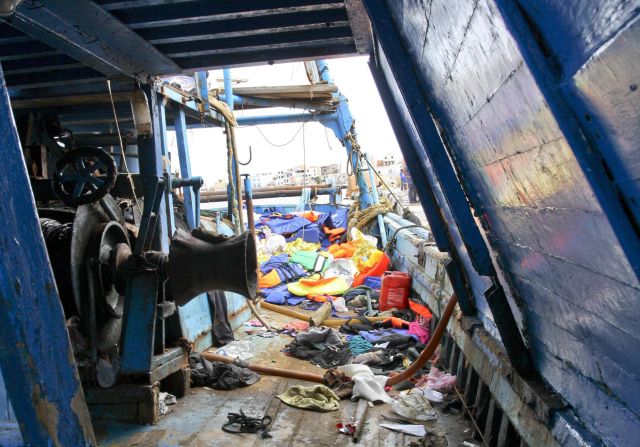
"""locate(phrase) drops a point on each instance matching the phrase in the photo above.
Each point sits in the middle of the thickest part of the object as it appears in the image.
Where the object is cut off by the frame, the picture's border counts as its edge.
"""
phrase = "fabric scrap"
(317, 398)
(366, 385)
(408, 429)
(339, 383)
(218, 375)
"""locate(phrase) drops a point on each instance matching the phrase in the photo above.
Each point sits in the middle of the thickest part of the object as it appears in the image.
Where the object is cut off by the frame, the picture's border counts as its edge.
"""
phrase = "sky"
(313, 141)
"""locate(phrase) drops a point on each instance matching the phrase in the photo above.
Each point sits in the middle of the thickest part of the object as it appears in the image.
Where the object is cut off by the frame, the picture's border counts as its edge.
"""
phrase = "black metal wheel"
(84, 175)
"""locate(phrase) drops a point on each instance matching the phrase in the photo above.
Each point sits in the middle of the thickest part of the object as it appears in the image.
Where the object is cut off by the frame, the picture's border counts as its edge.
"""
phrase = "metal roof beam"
(246, 26)
(203, 11)
(92, 36)
(318, 43)
(274, 40)
(267, 54)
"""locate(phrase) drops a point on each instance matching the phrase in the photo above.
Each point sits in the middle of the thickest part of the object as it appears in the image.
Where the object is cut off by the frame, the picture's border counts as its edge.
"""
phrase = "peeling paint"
(47, 414)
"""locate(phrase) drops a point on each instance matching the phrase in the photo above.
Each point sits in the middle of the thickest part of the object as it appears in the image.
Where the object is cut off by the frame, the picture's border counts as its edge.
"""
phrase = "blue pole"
(37, 361)
(341, 127)
(228, 88)
(185, 166)
(228, 92)
(376, 199)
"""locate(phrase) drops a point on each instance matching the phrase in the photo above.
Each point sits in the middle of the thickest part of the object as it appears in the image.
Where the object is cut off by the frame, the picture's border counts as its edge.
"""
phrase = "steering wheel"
(84, 175)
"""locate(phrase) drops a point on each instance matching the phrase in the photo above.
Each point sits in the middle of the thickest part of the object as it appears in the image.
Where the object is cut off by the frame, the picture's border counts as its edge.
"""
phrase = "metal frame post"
(37, 361)
(185, 165)
(341, 127)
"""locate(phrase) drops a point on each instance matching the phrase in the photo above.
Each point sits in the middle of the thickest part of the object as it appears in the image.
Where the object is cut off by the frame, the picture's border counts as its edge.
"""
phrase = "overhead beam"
(203, 11)
(267, 54)
(245, 26)
(319, 43)
(84, 31)
(274, 39)
(360, 25)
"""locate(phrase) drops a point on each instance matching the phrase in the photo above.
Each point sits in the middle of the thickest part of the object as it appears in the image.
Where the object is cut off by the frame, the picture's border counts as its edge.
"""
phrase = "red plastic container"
(395, 291)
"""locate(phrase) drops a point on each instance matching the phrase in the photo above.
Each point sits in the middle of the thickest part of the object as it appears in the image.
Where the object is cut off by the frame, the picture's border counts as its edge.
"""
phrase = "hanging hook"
(250, 158)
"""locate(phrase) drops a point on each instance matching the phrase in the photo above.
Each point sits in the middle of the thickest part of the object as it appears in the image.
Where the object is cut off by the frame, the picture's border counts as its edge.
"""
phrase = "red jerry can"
(395, 291)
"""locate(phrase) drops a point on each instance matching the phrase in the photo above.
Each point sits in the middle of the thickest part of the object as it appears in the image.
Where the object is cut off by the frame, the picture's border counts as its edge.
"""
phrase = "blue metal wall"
(538, 106)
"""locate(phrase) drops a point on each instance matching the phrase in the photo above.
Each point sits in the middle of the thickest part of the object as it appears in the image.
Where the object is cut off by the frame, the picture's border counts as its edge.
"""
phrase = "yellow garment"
(327, 286)
(300, 245)
(364, 264)
(271, 279)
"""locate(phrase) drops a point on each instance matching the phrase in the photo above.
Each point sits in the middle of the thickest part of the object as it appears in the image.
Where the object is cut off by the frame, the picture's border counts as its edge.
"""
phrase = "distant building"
(389, 168)
(332, 169)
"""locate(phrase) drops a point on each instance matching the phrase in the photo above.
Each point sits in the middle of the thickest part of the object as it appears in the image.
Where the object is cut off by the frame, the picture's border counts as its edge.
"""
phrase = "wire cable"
(124, 158)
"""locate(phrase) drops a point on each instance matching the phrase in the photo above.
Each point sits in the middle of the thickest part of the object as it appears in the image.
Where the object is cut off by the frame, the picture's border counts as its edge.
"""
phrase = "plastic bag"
(342, 267)
(414, 406)
(339, 305)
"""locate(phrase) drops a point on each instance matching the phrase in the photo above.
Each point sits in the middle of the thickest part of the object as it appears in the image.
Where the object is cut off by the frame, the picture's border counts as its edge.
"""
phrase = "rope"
(232, 185)
(362, 218)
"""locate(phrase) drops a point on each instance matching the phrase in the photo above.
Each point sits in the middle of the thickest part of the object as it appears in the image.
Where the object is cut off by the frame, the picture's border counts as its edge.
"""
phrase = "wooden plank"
(74, 100)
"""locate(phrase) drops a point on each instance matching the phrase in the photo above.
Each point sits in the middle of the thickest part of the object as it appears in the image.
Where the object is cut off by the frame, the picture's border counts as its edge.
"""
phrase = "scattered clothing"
(218, 375)
(359, 345)
(419, 330)
(221, 330)
(437, 380)
(367, 358)
(317, 397)
(280, 295)
(366, 385)
(339, 383)
(323, 348)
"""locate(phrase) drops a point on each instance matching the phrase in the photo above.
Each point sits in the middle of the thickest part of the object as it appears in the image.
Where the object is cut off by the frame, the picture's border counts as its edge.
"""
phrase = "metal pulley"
(84, 175)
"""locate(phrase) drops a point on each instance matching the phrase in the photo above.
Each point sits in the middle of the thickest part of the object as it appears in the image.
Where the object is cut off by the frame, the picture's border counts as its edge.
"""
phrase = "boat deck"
(196, 420)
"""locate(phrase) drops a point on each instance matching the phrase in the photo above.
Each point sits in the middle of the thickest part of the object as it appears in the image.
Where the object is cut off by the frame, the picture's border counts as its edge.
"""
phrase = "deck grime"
(197, 419)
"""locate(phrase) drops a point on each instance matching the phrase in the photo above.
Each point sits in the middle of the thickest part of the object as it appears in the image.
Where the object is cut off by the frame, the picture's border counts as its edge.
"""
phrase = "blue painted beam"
(341, 127)
(584, 146)
(171, 223)
(404, 73)
(251, 102)
(110, 48)
(36, 356)
(203, 90)
(139, 324)
(150, 160)
(228, 87)
(185, 166)
(286, 118)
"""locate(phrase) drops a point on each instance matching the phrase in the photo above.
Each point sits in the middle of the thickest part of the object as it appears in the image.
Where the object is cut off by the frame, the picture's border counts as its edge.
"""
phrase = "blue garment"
(284, 225)
(377, 334)
(281, 295)
(373, 281)
(267, 266)
(308, 233)
(340, 217)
